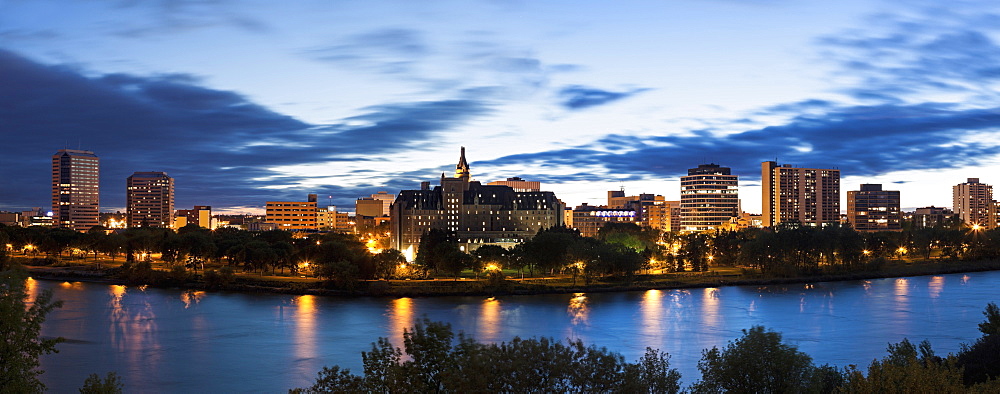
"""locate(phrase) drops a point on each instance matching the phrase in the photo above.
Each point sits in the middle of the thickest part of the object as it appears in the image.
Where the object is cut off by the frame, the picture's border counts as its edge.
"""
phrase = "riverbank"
(717, 277)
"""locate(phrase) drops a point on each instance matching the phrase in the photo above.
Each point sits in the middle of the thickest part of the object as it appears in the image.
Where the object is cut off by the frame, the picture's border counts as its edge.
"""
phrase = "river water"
(172, 340)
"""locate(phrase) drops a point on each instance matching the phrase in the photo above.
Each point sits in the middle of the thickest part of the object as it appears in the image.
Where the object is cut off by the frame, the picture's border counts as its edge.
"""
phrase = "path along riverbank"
(513, 284)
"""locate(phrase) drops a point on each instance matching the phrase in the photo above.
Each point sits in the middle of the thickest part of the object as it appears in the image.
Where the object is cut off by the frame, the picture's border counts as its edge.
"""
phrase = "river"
(172, 340)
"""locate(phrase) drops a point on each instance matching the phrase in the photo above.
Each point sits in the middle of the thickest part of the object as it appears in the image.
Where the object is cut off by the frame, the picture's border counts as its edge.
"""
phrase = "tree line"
(620, 250)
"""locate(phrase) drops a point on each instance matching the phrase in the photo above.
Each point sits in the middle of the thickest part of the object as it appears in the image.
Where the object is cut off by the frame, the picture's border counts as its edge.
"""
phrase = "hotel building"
(808, 196)
(75, 189)
(478, 214)
(709, 198)
(149, 200)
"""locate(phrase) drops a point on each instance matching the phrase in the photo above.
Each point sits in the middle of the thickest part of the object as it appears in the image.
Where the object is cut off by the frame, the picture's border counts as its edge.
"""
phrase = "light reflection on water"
(400, 317)
(490, 320)
(172, 340)
(935, 286)
(651, 310)
(305, 327)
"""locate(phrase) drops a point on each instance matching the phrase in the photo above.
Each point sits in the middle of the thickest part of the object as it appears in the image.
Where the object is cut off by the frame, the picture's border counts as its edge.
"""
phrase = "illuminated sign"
(613, 214)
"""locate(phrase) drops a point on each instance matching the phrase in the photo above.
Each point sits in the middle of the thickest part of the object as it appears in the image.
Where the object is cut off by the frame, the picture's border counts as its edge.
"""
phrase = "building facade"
(589, 219)
(874, 209)
(75, 189)
(973, 203)
(376, 205)
(477, 214)
(709, 198)
(149, 200)
(292, 215)
(932, 216)
(519, 185)
(808, 196)
(200, 215)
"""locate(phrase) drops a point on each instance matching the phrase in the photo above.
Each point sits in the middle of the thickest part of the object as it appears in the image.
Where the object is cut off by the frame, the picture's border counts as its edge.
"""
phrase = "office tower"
(807, 196)
(292, 215)
(709, 198)
(874, 209)
(75, 189)
(478, 214)
(150, 200)
(973, 203)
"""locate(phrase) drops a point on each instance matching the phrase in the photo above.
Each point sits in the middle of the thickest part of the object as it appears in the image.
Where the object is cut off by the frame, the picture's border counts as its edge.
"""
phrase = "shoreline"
(449, 287)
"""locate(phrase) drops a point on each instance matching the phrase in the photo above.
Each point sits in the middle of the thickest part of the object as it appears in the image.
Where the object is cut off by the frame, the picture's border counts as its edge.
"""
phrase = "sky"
(244, 102)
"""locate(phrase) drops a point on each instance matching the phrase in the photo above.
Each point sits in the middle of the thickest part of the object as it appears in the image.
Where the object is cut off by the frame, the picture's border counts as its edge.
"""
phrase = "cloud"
(859, 140)
(905, 57)
(221, 147)
(390, 51)
(577, 97)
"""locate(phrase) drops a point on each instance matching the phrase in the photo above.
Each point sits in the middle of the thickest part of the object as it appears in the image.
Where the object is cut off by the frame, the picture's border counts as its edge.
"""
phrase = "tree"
(757, 362)
(438, 362)
(981, 360)
(21, 345)
(907, 369)
(111, 384)
(386, 263)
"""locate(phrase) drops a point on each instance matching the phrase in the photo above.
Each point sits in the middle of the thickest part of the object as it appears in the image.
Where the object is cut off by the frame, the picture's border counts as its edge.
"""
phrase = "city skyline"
(347, 100)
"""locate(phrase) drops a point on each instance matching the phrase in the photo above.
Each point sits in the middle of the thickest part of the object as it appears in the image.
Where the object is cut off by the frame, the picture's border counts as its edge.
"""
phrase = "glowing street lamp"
(976, 227)
(866, 252)
(492, 267)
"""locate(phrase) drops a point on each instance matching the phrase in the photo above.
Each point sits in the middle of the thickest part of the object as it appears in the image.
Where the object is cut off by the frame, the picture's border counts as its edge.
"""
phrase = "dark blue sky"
(248, 102)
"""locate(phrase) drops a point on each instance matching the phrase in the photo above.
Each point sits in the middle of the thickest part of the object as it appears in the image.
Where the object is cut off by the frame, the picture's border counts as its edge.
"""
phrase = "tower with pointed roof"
(462, 169)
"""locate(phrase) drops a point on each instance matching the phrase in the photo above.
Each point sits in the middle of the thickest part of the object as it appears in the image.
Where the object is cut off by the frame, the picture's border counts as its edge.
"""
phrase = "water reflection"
(133, 326)
(710, 306)
(935, 286)
(71, 285)
(189, 297)
(489, 320)
(31, 289)
(901, 300)
(305, 326)
(578, 309)
(400, 317)
(651, 309)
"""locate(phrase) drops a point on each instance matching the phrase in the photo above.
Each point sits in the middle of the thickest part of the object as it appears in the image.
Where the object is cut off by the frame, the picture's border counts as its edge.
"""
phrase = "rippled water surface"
(169, 340)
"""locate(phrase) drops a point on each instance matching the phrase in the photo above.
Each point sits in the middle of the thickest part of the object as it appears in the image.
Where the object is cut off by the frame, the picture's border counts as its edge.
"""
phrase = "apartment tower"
(973, 203)
(150, 200)
(709, 198)
(75, 189)
(808, 196)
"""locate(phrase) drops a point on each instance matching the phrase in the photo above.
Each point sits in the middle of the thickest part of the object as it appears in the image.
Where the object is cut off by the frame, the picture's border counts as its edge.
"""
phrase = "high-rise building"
(874, 209)
(807, 196)
(75, 189)
(709, 198)
(973, 203)
(478, 214)
(150, 200)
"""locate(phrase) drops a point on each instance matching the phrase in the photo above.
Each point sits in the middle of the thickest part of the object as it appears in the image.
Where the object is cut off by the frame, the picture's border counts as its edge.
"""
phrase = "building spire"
(462, 169)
